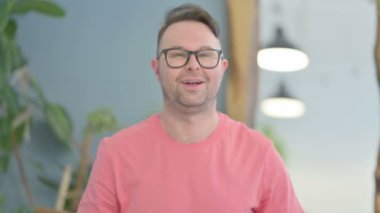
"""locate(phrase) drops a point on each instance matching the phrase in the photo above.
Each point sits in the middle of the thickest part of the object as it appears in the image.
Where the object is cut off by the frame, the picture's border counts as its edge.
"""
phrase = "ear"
(224, 64)
(155, 66)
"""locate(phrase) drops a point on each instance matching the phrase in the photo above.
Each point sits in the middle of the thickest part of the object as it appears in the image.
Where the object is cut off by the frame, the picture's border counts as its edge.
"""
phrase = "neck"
(188, 127)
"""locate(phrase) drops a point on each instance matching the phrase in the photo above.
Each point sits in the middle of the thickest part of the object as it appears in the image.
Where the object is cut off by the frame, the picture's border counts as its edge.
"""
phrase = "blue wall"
(97, 56)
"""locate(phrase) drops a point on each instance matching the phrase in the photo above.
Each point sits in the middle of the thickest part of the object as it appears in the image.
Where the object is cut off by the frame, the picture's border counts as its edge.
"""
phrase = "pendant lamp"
(282, 105)
(281, 55)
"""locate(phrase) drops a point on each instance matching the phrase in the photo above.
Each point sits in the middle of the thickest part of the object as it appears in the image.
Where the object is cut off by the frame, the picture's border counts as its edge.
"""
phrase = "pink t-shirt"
(141, 169)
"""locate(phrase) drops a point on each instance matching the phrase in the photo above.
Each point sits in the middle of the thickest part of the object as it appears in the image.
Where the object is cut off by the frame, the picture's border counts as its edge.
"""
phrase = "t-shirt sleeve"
(278, 193)
(100, 193)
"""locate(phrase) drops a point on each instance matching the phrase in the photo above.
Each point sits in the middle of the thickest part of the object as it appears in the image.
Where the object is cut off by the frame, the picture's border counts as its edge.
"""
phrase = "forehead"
(189, 35)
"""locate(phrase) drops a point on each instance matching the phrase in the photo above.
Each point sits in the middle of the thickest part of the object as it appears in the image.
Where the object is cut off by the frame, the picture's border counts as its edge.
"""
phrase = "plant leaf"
(3, 69)
(37, 89)
(60, 123)
(5, 138)
(10, 29)
(5, 142)
(6, 53)
(45, 7)
(269, 131)
(3, 15)
(10, 100)
(4, 162)
(21, 7)
(2, 200)
(11, 56)
(101, 120)
(48, 8)
(17, 58)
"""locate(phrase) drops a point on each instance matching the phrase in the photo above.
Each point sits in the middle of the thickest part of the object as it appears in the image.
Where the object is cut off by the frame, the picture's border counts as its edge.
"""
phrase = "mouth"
(192, 82)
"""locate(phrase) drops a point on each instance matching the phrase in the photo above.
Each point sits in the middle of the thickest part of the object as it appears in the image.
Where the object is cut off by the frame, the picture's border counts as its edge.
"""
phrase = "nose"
(192, 64)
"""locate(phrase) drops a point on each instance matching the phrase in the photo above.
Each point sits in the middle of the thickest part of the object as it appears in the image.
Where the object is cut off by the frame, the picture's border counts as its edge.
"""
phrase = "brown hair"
(188, 12)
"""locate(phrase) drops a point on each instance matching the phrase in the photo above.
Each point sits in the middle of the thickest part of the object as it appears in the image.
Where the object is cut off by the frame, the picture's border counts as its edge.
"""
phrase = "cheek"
(218, 78)
(218, 82)
(167, 77)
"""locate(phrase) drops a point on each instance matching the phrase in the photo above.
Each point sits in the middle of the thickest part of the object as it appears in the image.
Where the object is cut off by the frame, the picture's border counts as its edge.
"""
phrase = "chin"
(195, 103)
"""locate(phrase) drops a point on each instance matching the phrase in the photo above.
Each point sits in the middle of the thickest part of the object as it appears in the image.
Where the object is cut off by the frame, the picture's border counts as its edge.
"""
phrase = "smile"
(192, 82)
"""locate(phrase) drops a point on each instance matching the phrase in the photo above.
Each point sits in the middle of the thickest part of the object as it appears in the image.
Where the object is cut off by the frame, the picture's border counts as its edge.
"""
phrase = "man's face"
(190, 86)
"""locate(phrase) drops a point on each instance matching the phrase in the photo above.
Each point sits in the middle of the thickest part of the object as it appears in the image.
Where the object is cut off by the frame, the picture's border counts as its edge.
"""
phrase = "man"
(189, 157)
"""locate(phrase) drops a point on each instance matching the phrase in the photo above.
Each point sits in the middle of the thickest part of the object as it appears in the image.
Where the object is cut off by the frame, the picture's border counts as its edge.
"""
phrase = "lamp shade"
(282, 105)
(281, 55)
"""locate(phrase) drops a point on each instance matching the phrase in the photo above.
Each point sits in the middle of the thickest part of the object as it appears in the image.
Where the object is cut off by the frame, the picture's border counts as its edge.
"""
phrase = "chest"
(209, 180)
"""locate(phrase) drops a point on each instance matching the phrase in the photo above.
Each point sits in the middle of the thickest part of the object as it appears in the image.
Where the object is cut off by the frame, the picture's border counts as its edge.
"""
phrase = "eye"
(177, 54)
(207, 53)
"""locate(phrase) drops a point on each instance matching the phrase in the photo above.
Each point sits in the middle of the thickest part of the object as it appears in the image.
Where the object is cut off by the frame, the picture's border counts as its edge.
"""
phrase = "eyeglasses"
(177, 57)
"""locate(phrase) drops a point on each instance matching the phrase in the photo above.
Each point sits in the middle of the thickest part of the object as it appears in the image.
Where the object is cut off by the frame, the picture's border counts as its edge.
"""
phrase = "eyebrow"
(201, 48)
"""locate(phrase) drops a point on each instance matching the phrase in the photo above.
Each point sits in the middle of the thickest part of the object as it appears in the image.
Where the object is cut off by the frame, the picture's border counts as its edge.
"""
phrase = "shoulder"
(241, 132)
(133, 135)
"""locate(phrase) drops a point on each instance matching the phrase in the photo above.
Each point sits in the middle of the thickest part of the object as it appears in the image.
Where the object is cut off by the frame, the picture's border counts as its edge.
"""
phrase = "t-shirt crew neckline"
(215, 136)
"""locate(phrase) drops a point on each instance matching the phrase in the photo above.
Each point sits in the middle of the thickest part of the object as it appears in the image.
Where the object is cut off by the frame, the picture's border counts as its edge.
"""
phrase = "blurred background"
(99, 55)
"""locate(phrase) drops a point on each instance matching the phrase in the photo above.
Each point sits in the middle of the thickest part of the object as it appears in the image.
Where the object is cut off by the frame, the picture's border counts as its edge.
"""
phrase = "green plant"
(99, 121)
(270, 132)
(20, 94)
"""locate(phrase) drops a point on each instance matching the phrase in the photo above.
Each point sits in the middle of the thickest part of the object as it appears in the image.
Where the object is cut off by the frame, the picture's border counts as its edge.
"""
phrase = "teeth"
(193, 82)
